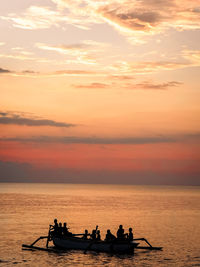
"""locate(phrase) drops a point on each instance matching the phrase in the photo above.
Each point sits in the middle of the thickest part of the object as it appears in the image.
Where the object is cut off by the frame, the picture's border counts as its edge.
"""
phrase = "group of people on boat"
(120, 234)
(61, 230)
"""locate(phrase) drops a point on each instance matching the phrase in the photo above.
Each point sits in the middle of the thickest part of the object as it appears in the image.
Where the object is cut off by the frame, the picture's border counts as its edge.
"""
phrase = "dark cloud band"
(9, 118)
(104, 140)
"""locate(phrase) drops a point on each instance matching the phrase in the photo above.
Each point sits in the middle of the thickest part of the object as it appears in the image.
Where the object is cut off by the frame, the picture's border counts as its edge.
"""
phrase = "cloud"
(35, 17)
(144, 67)
(105, 140)
(121, 77)
(9, 118)
(192, 55)
(188, 58)
(75, 73)
(92, 86)
(20, 56)
(134, 19)
(77, 47)
(130, 20)
(146, 85)
(43, 17)
(152, 86)
(4, 71)
(85, 52)
(150, 17)
(79, 51)
(67, 72)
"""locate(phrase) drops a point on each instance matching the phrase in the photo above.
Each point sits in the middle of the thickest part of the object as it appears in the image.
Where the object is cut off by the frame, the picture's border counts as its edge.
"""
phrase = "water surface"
(166, 216)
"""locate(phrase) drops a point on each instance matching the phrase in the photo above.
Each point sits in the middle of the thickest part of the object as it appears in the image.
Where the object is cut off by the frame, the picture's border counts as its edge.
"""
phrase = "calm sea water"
(166, 216)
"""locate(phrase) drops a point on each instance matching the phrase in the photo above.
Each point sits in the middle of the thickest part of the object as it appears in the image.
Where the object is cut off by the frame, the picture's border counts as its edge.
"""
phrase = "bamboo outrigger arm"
(34, 247)
(149, 247)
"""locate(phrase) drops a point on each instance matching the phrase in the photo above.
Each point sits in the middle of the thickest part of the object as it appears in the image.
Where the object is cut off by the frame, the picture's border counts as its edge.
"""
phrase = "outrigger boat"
(77, 243)
(99, 246)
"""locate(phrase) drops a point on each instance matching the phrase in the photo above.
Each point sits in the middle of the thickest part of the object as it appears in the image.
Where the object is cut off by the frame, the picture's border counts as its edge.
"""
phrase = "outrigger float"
(77, 243)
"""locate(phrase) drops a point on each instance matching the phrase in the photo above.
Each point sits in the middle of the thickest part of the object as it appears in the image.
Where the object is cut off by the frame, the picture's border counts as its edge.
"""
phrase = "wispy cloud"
(36, 17)
(21, 56)
(65, 72)
(145, 67)
(192, 55)
(8, 118)
(76, 73)
(85, 52)
(94, 85)
(4, 71)
(146, 85)
(43, 17)
(105, 140)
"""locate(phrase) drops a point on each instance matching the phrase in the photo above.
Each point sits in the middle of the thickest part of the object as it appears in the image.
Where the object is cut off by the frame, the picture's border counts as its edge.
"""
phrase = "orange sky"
(94, 86)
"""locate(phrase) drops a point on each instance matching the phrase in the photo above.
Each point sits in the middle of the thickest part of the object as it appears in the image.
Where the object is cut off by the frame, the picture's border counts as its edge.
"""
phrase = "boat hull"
(100, 246)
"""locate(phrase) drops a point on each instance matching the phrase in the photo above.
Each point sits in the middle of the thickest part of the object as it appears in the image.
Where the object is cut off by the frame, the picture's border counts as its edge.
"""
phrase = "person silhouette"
(55, 227)
(93, 235)
(60, 229)
(130, 234)
(98, 237)
(65, 230)
(86, 234)
(109, 236)
(120, 232)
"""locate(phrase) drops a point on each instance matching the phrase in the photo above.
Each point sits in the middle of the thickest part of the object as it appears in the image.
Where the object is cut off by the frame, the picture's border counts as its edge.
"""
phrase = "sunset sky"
(100, 91)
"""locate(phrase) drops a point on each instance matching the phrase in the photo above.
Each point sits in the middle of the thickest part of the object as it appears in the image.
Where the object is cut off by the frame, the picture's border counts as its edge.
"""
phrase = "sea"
(167, 216)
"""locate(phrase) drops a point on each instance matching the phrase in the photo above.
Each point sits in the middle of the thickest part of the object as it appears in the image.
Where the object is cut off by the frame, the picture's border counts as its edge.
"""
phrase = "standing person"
(120, 232)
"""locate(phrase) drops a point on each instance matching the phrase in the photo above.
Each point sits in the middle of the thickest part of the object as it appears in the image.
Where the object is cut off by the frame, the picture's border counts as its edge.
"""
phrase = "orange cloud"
(84, 52)
(149, 66)
(150, 17)
(146, 85)
(94, 85)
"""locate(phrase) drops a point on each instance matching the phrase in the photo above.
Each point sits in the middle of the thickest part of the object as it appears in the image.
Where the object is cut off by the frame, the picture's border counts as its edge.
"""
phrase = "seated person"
(120, 232)
(109, 236)
(65, 230)
(98, 237)
(86, 234)
(130, 235)
(60, 229)
(93, 235)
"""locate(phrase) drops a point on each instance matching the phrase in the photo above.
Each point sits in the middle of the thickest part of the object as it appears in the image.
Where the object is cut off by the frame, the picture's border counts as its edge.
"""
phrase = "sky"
(100, 91)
